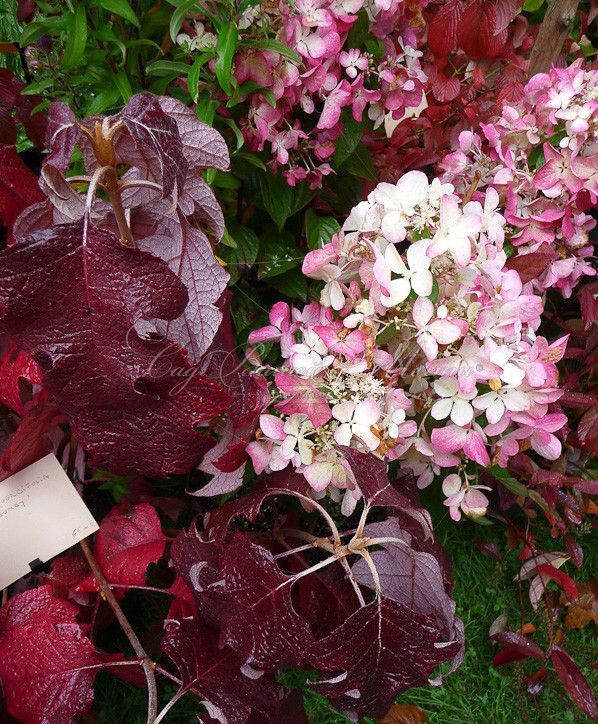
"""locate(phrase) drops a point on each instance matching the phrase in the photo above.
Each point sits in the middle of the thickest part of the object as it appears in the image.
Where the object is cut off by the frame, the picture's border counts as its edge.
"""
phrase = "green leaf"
(360, 30)
(166, 67)
(250, 158)
(122, 82)
(35, 89)
(319, 229)
(245, 253)
(281, 200)
(178, 16)
(275, 45)
(292, 284)
(194, 73)
(228, 37)
(206, 108)
(503, 477)
(386, 334)
(530, 6)
(349, 138)
(122, 8)
(225, 181)
(360, 164)
(236, 130)
(278, 254)
(103, 100)
(433, 296)
(76, 37)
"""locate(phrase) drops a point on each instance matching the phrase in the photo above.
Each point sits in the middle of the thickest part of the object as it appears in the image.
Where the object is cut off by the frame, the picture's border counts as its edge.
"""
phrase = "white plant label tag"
(41, 515)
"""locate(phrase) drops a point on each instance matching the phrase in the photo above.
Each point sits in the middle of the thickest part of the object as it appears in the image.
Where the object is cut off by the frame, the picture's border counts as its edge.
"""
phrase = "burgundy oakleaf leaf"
(248, 506)
(413, 579)
(261, 625)
(520, 643)
(574, 681)
(198, 563)
(123, 393)
(44, 655)
(381, 650)
(157, 145)
(477, 31)
(189, 255)
(62, 135)
(203, 146)
(371, 476)
(215, 673)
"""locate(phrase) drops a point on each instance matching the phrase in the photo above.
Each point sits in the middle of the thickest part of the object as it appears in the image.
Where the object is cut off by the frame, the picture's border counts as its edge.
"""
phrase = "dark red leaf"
(62, 134)
(560, 577)
(34, 121)
(574, 550)
(478, 33)
(574, 681)
(10, 88)
(519, 643)
(189, 255)
(43, 655)
(381, 650)
(127, 542)
(507, 656)
(16, 368)
(442, 30)
(156, 142)
(18, 187)
(261, 624)
(31, 441)
(530, 266)
(371, 476)
(123, 393)
(215, 674)
(249, 505)
(8, 129)
(488, 548)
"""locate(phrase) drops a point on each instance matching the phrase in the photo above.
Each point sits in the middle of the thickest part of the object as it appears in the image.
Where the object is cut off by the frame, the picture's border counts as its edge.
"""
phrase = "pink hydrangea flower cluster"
(423, 349)
(541, 156)
(331, 76)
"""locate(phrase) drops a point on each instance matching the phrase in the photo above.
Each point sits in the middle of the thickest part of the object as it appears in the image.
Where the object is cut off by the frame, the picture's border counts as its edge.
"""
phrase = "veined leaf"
(76, 37)
(275, 45)
(122, 8)
(225, 50)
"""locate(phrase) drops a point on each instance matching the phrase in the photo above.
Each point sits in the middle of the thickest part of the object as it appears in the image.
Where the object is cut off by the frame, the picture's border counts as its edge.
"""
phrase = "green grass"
(476, 693)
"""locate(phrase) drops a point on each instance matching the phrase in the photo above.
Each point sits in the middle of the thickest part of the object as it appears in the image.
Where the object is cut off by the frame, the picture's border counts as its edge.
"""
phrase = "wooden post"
(553, 31)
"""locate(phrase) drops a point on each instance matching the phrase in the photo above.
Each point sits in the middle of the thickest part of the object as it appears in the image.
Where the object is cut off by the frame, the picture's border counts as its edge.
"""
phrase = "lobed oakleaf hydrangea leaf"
(371, 476)
(43, 658)
(381, 650)
(156, 143)
(262, 625)
(70, 296)
(215, 675)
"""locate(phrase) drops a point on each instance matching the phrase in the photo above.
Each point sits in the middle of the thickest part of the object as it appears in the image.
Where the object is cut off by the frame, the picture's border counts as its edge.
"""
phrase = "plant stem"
(553, 32)
(146, 663)
(113, 189)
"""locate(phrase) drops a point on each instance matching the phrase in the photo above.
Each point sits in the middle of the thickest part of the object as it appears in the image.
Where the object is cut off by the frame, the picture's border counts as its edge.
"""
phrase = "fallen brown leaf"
(403, 714)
